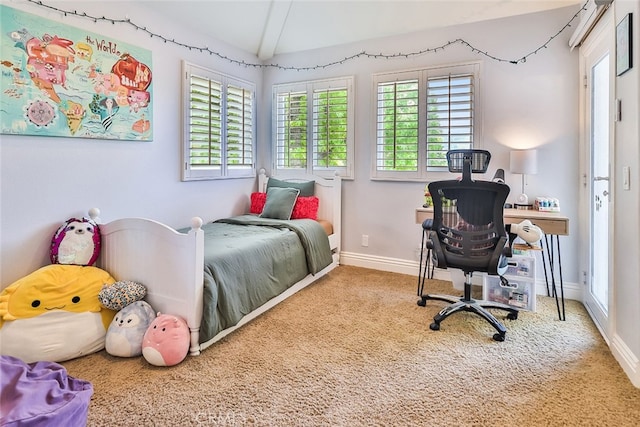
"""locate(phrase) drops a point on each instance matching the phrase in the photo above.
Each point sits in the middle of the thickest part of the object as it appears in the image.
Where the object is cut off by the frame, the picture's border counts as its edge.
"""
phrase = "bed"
(179, 280)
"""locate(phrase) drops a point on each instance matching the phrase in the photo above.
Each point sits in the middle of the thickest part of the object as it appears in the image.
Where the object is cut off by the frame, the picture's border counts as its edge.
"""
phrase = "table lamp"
(524, 162)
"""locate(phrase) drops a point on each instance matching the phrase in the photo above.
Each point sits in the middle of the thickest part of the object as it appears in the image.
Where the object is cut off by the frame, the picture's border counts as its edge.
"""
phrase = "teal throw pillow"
(280, 202)
(307, 188)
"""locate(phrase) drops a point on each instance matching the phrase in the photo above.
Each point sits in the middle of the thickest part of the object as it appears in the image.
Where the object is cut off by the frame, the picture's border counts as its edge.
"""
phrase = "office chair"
(468, 233)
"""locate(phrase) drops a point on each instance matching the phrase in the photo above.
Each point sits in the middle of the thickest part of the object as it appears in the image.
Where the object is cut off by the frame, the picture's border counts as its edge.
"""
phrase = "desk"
(553, 225)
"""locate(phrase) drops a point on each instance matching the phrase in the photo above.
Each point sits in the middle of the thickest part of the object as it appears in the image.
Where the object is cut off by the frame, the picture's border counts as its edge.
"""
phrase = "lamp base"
(522, 199)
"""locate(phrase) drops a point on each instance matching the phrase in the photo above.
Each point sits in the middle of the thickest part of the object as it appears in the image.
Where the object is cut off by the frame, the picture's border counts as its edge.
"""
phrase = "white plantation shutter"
(419, 116)
(449, 116)
(397, 126)
(330, 124)
(239, 127)
(219, 132)
(291, 130)
(205, 122)
(313, 127)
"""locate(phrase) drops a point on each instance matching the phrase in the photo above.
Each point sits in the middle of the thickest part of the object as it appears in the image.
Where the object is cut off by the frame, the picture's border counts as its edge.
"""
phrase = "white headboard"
(328, 191)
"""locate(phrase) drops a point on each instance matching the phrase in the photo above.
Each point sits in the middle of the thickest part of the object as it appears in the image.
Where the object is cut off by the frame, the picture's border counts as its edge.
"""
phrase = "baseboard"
(394, 265)
(572, 291)
(627, 360)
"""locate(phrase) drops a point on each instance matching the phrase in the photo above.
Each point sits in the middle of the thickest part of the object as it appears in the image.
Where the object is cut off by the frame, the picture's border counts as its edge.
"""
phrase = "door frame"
(605, 28)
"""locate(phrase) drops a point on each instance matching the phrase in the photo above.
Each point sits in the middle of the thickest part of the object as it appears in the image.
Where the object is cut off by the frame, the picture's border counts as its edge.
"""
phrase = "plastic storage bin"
(521, 266)
(520, 293)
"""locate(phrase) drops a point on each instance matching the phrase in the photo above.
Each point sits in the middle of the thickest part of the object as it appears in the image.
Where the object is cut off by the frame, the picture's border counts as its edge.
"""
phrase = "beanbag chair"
(53, 314)
(126, 331)
(41, 394)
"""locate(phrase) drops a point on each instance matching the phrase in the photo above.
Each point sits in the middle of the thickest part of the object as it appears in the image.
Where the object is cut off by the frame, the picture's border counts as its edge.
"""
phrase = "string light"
(362, 54)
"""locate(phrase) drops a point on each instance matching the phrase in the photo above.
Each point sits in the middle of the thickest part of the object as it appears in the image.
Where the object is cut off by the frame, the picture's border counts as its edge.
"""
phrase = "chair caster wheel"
(512, 316)
(434, 326)
(422, 302)
(498, 337)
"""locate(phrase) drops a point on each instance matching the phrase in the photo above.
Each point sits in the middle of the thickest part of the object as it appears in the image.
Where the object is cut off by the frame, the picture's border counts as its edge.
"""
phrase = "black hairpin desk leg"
(551, 252)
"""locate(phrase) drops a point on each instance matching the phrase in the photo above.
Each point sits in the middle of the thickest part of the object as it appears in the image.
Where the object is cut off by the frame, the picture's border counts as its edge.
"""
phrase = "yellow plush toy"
(54, 314)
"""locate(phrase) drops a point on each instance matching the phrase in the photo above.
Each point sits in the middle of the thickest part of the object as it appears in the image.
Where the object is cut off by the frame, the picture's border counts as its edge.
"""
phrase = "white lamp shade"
(524, 162)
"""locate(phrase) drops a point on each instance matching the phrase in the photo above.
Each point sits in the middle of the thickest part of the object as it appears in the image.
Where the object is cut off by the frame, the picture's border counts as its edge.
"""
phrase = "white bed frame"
(171, 265)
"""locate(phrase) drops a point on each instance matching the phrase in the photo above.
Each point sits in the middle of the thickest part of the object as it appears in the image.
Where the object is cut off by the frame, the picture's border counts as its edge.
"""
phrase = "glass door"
(598, 67)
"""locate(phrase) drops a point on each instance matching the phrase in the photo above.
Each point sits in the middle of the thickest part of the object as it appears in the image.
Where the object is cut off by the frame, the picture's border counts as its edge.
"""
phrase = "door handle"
(605, 193)
(601, 178)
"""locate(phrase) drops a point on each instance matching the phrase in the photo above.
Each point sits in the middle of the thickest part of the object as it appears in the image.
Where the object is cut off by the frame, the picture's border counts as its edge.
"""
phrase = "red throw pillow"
(257, 202)
(306, 207)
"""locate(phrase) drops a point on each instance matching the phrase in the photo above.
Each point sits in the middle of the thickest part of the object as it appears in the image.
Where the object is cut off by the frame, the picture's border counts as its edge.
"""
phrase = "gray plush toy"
(126, 331)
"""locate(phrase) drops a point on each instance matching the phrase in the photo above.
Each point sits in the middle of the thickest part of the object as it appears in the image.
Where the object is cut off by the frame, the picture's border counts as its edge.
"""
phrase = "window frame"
(226, 170)
(422, 75)
(309, 88)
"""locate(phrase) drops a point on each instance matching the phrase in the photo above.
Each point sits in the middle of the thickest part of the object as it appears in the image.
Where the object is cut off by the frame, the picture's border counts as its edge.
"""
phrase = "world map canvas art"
(59, 80)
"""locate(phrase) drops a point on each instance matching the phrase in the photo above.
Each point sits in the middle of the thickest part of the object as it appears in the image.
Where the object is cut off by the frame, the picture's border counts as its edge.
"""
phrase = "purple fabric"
(41, 394)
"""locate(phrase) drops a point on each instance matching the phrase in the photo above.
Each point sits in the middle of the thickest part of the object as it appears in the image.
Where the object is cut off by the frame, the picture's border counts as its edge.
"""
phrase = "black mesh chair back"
(467, 219)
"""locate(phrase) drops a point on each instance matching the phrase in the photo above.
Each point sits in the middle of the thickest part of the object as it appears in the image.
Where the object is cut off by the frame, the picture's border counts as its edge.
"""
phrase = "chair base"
(466, 303)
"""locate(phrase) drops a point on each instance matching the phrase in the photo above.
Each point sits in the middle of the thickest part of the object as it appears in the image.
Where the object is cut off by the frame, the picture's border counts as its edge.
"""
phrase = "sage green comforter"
(249, 260)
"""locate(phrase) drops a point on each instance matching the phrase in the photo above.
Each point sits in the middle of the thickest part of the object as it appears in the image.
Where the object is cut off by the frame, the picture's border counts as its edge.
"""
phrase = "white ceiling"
(271, 27)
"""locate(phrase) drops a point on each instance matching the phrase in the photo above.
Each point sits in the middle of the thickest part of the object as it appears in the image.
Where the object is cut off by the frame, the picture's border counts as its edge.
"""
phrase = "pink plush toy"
(166, 342)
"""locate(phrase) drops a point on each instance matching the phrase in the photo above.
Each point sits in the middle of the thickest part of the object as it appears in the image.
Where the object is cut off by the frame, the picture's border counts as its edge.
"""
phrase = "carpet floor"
(354, 349)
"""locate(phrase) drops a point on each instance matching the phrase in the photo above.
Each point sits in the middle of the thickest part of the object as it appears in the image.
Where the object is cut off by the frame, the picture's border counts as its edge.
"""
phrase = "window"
(219, 114)
(419, 116)
(313, 127)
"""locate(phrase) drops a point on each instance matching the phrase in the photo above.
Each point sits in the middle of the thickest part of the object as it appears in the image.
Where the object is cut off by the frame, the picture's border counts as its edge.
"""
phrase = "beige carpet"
(354, 349)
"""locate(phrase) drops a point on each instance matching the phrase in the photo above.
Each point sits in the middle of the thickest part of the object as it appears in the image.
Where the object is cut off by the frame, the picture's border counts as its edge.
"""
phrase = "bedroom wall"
(625, 343)
(47, 180)
(528, 103)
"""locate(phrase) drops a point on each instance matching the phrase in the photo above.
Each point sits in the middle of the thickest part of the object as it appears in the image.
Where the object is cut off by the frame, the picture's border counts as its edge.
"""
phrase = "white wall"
(529, 103)
(625, 342)
(47, 180)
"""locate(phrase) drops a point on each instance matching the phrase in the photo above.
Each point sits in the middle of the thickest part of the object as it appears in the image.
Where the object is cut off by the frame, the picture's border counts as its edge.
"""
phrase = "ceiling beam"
(274, 24)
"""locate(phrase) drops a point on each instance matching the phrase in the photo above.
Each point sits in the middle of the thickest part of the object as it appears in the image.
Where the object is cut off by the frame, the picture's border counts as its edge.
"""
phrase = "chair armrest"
(433, 243)
(507, 251)
(502, 249)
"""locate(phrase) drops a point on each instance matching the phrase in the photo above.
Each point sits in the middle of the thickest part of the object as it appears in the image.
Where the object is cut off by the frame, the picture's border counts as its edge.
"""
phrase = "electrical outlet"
(365, 240)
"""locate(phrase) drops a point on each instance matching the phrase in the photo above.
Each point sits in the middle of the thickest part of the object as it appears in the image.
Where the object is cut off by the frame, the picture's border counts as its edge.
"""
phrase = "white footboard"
(169, 264)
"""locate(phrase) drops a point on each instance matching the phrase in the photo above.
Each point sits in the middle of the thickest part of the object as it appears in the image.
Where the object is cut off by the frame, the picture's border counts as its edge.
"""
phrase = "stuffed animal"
(166, 342)
(53, 314)
(77, 241)
(120, 294)
(126, 331)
